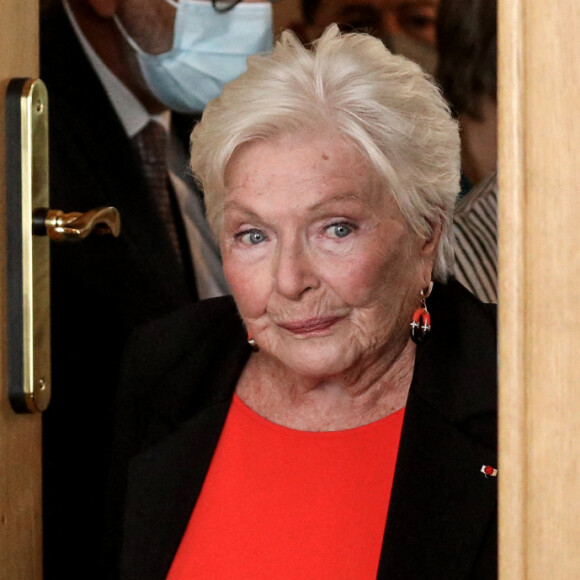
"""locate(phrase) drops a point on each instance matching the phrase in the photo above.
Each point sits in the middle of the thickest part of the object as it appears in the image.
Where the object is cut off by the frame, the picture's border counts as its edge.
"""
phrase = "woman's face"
(324, 270)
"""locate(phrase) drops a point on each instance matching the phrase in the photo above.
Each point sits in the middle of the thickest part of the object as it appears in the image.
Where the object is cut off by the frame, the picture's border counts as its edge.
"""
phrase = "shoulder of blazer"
(456, 368)
(185, 361)
(178, 378)
(442, 518)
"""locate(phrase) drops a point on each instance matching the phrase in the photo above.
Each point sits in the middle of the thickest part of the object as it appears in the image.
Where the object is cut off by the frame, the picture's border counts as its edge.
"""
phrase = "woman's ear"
(104, 8)
(429, 250)
(431, 244)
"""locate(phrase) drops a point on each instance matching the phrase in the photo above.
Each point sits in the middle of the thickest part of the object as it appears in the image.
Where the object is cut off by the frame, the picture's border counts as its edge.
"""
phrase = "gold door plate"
(27, 185)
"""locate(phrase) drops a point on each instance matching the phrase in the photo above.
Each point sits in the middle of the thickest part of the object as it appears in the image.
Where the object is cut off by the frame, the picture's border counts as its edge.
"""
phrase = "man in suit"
(97, 58)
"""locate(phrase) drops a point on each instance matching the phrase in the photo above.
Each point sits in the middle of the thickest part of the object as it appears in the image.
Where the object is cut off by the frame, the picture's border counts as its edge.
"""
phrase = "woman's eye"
(251, 237)
(339, 230)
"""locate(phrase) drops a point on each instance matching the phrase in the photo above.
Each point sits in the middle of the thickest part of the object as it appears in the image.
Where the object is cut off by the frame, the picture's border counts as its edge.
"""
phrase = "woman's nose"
(294, 270)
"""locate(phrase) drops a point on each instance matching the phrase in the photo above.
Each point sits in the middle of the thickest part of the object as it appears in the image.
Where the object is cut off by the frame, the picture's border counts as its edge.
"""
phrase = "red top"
(281, 503)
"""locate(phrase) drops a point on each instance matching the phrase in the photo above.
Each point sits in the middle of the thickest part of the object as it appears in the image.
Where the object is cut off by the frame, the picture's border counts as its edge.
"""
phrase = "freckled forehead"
(299, 160)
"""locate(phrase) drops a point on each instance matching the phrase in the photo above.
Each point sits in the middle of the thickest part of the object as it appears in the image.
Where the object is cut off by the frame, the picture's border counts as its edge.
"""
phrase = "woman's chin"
(315, 360)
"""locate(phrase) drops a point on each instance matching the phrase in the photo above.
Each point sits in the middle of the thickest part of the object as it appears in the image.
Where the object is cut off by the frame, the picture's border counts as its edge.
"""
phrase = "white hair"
(349, 84)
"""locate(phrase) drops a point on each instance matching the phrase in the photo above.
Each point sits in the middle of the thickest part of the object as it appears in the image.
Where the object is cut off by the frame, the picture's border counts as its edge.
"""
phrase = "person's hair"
(349, 18)
(309, 10)
(467, 47)
(350, 86)
(47, 4)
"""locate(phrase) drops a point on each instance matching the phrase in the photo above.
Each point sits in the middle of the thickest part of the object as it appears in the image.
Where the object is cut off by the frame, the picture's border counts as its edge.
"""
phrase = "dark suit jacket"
(101, 289)
(180, 376)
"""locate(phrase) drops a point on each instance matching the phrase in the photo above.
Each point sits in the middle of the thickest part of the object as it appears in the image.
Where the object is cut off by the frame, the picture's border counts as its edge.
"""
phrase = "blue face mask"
(209, 50)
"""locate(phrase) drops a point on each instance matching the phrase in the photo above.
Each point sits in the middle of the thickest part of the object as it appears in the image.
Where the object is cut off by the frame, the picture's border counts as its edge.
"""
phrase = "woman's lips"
(310, 326)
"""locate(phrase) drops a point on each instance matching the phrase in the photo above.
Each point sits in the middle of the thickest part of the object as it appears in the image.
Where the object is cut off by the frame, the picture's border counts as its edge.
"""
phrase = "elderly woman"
(334, 419)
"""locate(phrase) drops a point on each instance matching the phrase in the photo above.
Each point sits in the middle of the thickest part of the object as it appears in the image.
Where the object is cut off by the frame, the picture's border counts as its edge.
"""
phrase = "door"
(20, 434)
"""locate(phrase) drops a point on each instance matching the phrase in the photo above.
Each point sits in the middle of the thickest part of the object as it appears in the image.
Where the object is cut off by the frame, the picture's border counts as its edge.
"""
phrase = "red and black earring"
(421, 321)
(253, 344)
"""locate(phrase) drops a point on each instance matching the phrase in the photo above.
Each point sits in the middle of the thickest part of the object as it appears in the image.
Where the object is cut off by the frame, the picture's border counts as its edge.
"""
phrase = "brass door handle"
(30, 228)
(75, 226)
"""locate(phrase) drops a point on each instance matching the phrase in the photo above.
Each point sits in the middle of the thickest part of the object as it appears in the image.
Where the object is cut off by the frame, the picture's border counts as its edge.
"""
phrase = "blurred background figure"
(413, 18)
(406, 26)
(467, 73)
(115, 71)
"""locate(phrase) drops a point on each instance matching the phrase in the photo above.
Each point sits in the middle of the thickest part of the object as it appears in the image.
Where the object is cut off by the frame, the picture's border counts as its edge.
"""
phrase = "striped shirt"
(475, 230)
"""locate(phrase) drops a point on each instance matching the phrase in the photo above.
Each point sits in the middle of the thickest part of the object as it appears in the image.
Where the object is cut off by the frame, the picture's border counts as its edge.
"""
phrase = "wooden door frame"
(539, 371)
(20, 435)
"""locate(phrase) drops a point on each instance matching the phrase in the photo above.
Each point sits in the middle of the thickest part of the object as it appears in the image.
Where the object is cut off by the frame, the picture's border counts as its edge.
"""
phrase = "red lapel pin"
(488, 471)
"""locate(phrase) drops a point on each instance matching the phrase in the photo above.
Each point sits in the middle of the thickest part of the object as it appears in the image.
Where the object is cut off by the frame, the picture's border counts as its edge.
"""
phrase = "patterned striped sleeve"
(475, 230)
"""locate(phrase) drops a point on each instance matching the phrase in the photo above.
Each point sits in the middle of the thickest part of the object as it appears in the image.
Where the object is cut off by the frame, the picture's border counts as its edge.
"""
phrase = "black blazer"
(180, 376)
(102, 288)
